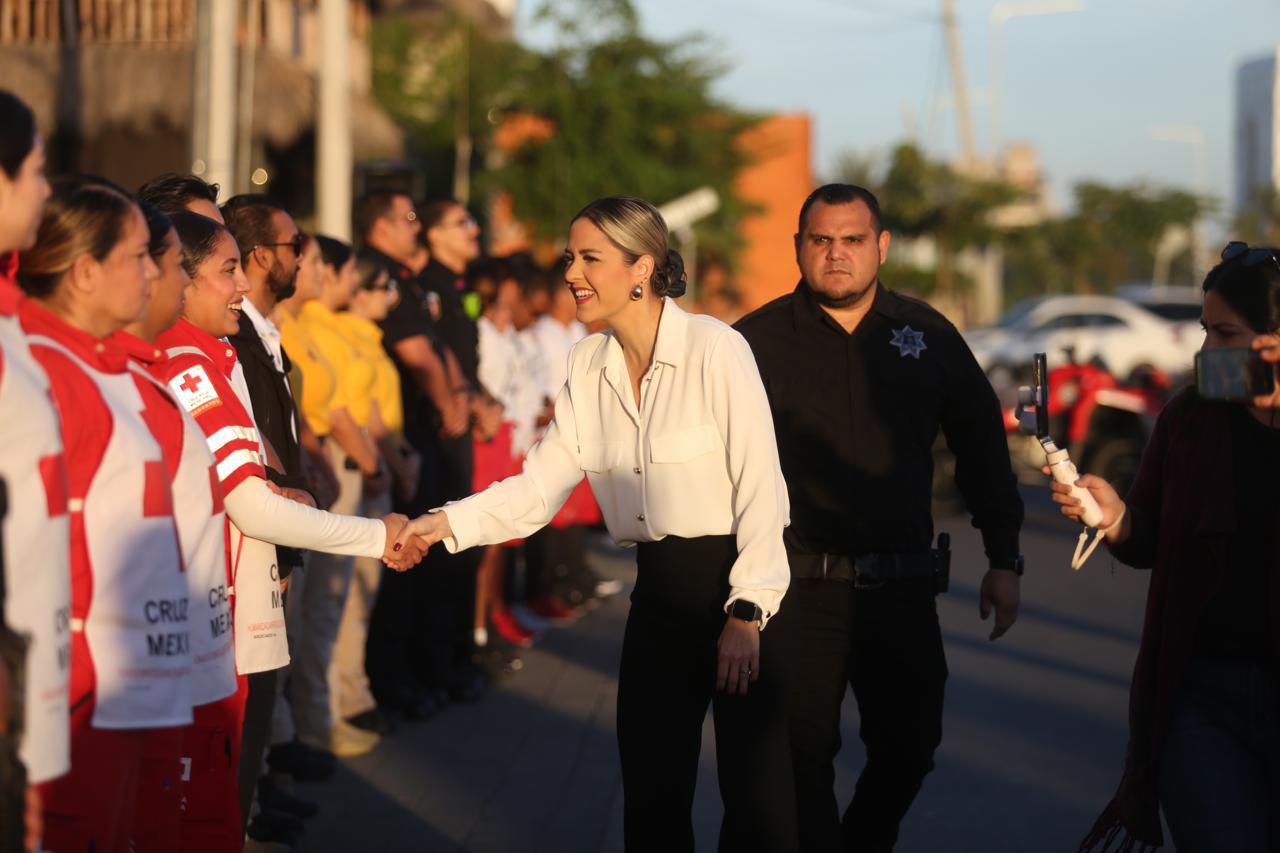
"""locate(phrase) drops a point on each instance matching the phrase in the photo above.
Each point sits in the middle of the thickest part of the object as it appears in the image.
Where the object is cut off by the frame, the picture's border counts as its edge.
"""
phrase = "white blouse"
(697, 458)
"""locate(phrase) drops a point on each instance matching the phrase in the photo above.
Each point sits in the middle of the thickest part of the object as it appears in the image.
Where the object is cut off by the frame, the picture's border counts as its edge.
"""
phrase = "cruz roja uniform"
(202, 376)
(171, 763)
(130, 675)
(690, 476)
(37, 582)
(856, 417)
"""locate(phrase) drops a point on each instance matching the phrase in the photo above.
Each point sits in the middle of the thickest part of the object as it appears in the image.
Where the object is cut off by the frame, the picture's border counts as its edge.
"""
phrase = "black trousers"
(420, 627)
(258, 707)
(885, 643)
(665, 682)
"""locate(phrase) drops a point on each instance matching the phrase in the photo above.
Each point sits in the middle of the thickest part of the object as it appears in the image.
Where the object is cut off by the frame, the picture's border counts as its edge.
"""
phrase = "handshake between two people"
(409, 539)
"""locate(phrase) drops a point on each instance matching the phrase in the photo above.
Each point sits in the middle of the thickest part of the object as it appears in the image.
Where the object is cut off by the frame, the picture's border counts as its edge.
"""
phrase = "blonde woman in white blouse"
(666, 415)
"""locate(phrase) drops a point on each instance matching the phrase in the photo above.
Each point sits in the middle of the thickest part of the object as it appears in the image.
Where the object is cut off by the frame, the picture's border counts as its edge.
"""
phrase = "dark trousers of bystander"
(420, 628)
(884, 643)
(665, 683)
(1220, 761)
(258, 708)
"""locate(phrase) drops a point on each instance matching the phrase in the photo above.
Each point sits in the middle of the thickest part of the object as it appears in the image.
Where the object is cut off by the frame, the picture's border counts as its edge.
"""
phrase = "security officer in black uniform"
(860, 379)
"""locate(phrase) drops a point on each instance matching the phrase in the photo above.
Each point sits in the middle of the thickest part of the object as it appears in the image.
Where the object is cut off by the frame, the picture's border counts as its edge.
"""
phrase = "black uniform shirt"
(458, 330)
(410, 317)
(856, 418)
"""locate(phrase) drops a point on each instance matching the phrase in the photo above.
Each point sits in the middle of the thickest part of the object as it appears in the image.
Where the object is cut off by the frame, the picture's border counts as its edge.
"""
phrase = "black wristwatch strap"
(747, 611)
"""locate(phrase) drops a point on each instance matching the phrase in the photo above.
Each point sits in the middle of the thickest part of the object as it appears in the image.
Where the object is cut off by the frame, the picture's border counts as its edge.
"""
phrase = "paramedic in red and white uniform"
(88, 275)
(37, 584)
(201, 523)
(202, 374)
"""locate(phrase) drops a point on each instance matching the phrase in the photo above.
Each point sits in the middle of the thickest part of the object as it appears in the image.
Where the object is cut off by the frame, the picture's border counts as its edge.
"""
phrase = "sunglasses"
(295, 244)
(1252, 256)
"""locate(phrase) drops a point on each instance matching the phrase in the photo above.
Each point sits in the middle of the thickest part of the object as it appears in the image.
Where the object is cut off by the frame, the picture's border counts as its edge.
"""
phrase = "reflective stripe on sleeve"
(228, 434)
(240, 457)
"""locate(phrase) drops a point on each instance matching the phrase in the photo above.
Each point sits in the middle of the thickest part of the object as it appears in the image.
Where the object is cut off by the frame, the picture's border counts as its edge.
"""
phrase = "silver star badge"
(908, 341)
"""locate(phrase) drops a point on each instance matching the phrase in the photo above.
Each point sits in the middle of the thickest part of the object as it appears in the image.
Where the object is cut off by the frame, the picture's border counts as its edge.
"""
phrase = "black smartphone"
(1040, 379)
(1233, 374)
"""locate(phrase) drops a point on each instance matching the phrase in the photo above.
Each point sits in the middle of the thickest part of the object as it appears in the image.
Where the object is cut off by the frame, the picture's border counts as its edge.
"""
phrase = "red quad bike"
(1104, 424)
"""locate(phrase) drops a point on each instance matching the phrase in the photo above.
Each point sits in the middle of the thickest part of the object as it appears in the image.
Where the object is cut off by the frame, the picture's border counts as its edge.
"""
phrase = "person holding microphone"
(666, 415)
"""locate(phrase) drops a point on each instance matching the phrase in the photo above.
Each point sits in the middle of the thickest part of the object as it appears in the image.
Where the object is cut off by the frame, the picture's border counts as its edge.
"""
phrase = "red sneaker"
(511, 630)
(553, 609)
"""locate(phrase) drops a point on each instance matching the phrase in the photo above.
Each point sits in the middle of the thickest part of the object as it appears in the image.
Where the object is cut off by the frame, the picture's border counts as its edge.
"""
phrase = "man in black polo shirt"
(418, 636)
(860, 380)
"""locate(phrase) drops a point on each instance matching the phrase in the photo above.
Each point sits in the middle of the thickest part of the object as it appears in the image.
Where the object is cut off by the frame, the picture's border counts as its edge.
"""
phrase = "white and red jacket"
(36, 535)
(198, 512)
(200, 368)
(130, 621)
(207, 382)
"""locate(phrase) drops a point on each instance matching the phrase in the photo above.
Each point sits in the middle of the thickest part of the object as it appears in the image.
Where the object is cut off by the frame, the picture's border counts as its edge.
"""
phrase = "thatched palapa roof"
(99, 87)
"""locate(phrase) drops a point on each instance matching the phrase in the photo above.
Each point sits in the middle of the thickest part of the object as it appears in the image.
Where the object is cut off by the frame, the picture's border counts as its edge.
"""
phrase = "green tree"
(631, 115)
(1259, 221)
(923, 198)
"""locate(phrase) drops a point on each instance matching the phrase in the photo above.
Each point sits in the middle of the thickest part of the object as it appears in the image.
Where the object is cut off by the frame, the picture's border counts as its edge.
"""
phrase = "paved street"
(1033, 740)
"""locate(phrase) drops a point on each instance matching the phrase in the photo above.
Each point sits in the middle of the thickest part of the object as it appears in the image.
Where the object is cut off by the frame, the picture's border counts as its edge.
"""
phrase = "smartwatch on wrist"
(1015, 565)
(747, 611)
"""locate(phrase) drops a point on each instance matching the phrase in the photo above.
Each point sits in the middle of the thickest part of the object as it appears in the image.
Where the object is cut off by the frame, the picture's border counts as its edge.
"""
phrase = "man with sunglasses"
(270, 250)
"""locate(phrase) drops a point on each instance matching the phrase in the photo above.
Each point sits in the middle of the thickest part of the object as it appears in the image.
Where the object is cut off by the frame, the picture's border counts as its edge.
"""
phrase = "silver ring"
(745, 671)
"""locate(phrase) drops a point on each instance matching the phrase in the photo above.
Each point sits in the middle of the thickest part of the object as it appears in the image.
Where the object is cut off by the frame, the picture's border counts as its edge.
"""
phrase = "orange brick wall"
(778, 181)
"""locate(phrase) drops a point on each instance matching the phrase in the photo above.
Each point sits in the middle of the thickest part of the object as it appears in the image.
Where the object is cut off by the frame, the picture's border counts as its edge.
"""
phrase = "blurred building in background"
(1257, 130)
(113, 86)
(776, 183)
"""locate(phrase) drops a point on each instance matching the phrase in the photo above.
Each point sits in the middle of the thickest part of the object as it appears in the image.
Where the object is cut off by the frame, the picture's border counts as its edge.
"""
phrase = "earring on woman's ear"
(637, 293)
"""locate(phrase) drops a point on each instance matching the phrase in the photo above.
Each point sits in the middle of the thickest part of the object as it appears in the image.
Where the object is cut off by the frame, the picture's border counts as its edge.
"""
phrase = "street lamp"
(1002, 13)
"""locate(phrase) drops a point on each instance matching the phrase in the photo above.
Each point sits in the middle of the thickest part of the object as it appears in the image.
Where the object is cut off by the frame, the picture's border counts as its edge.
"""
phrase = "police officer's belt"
(867, 569)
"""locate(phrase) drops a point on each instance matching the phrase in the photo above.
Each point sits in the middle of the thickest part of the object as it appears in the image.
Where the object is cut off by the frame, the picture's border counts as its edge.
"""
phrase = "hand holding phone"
(1235, 373)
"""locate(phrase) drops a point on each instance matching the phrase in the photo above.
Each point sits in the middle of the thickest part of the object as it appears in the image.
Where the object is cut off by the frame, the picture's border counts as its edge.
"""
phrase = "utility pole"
(960, 90)
(463, 144)
(333, 123)
(214, 123)
(248, 69)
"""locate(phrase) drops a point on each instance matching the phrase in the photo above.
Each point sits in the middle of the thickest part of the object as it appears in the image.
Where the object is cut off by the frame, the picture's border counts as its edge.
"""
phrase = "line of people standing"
(286, 391)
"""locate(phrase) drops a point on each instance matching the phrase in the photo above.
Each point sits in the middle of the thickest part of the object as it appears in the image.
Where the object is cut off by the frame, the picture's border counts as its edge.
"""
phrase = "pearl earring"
(637, 293)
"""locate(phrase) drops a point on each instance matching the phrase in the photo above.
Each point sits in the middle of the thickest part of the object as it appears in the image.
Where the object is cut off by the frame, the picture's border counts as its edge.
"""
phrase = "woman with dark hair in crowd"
(88, 276)
(200, 522)
(34, 531)
(200, 367)
(369, 304)
(1203, 514)
(357, 463)
(666, 415)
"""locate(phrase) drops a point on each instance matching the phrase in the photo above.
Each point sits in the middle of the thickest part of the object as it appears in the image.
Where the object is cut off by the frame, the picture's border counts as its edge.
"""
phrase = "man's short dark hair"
(841, 194)
(371, 207)
(248, 218)
(433, 212)
(171, 192)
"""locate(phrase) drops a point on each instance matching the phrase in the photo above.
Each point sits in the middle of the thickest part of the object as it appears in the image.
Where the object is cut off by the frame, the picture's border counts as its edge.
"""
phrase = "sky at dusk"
(1087, 89)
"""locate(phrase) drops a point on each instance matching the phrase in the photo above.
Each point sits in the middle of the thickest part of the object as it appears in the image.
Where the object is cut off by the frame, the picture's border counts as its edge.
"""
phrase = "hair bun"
(674, 279)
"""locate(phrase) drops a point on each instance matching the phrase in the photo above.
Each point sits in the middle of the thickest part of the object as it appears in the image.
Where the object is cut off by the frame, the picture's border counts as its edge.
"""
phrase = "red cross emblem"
(190, 382)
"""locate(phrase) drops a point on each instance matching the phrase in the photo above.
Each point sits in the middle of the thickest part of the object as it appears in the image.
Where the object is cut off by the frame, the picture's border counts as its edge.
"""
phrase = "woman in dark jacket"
(1203, 513)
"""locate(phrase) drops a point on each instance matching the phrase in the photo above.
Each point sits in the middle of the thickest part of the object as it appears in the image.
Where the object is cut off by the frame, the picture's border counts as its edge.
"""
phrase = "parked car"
(1118, 334)
(1179, 306)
